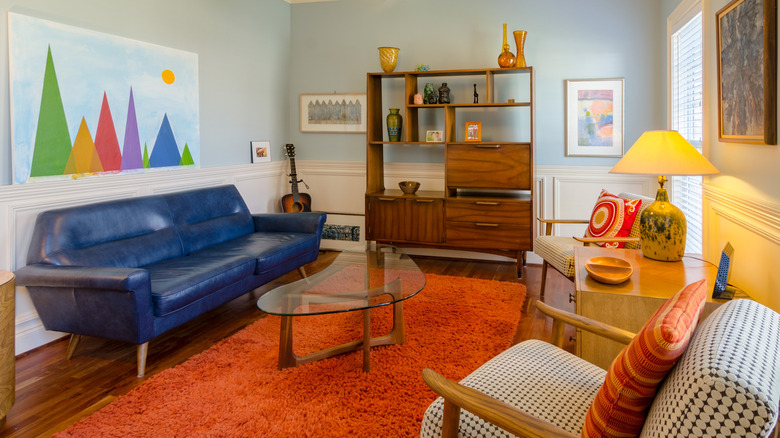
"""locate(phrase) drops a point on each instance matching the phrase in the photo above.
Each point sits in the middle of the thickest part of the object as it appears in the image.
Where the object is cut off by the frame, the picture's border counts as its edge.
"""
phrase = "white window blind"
(687, 119)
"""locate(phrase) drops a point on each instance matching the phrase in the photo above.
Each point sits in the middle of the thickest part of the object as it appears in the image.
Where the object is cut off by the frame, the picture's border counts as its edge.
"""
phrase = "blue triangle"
(165, 152)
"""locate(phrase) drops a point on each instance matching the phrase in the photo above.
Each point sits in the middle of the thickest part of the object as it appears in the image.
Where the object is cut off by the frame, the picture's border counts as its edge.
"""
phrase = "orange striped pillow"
(621, 405)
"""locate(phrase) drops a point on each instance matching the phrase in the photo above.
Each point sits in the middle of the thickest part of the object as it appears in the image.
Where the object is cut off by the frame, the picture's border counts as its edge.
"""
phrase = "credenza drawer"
(489, 166)
(484, 210)
(491, 235)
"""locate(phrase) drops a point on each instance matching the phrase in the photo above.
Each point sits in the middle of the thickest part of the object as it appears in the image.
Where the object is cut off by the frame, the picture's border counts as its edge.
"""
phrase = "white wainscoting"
(337, 188)
(753, 229)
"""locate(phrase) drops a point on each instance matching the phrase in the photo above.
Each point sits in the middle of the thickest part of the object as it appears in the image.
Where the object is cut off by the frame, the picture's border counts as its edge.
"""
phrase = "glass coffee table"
(358, 279)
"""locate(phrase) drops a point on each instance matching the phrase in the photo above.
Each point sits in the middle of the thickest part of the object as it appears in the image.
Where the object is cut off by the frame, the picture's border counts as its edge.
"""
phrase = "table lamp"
(662, 226)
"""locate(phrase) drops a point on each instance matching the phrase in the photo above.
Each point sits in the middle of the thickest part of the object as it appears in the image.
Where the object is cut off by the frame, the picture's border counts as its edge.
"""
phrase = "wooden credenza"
(630, 304)
(487, 202)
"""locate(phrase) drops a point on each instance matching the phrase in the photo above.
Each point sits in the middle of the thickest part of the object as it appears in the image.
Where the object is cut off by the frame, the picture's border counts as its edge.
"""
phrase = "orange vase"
(520, 41)
(506, 59)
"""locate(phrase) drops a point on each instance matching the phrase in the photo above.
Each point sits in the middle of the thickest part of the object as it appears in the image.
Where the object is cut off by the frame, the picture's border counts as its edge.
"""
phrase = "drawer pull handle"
(424, 201)
(482, 224)
(386, 199)
(486, 203)
(487, 146)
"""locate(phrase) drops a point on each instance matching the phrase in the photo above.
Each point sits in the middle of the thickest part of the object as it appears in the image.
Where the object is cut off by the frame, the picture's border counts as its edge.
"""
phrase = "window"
(685, 110)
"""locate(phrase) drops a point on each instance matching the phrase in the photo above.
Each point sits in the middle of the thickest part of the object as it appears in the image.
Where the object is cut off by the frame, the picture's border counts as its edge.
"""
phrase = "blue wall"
(334, 44)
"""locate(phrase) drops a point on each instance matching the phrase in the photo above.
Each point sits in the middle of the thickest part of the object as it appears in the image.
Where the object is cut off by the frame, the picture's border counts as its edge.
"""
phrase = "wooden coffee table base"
(288, 359)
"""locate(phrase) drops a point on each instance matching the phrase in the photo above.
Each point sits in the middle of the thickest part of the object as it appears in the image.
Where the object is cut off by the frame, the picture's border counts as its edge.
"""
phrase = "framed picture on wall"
(333, 112)
(261, 151)
(594, 117)
(747, 71)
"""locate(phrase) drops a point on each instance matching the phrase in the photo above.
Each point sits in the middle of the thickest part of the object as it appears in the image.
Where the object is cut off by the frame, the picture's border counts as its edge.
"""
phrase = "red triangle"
(106, 142)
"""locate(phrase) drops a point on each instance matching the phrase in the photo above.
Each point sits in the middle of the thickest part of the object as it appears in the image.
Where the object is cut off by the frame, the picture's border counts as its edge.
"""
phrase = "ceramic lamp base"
(662, 230)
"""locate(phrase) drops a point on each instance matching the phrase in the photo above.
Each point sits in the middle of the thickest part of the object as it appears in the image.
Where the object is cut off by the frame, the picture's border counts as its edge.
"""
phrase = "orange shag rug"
(234, 388)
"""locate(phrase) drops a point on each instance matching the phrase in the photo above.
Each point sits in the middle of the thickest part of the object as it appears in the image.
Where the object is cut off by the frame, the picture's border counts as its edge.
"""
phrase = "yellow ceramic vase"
(388, 58)
(662, 230)
(506, 59)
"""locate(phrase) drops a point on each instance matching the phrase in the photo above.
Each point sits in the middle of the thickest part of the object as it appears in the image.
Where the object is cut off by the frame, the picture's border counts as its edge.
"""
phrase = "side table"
(630, 304)
(7, 344)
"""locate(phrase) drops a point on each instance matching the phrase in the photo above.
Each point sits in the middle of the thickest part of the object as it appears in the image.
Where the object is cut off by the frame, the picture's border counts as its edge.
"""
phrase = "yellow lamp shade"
(662, 226)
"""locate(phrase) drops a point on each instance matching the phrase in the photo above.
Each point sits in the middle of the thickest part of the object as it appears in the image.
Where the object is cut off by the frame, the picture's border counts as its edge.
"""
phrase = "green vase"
(394, 124)
(662, 230)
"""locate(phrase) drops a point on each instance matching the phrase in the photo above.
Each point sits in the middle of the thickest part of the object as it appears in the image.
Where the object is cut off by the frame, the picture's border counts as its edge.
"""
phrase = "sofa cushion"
(114, 233)
(269, 249)
(209, 216)
(184, 280)
(620, 407)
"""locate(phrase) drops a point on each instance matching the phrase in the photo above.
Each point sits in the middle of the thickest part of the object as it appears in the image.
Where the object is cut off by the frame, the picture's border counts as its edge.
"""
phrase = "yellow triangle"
(83, 156)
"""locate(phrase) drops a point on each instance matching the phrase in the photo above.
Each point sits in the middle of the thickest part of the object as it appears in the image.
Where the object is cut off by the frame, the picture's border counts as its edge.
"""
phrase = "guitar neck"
(294, 179)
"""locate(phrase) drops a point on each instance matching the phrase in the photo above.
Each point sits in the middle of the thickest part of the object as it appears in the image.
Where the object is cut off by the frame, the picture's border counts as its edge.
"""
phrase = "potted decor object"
(394, 124)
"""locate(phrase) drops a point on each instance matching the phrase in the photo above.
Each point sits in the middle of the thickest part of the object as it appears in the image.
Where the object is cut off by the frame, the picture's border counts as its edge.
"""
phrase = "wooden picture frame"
(747, 71)
(333, 112)
(473, 131)
(594, 117)
(261, 151)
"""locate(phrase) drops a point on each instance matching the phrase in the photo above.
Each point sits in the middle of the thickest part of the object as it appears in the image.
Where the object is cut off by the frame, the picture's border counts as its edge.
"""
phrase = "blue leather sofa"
(132, 269)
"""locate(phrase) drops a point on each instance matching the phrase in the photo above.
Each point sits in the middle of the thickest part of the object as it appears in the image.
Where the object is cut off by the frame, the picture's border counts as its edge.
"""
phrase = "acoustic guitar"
(295, 202)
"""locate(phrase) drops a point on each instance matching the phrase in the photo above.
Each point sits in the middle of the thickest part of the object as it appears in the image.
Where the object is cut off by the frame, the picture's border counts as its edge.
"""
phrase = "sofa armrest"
(87, 277)
(311, 223)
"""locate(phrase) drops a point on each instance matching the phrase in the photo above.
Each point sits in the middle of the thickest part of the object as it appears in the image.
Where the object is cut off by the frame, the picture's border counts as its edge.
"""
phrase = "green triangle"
(146, 157)
(52, 139)
(186, 157)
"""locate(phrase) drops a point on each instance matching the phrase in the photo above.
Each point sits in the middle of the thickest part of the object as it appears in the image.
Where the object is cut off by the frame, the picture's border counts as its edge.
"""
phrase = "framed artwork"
(434, 136)
(594, 117)
(747, 71)
(261, 151)
(473, 131)
(87, 103)
(333, 112)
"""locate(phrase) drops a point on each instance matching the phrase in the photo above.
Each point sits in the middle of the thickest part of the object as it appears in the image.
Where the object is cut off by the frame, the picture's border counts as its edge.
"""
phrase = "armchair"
(558, 251)
(727, 383)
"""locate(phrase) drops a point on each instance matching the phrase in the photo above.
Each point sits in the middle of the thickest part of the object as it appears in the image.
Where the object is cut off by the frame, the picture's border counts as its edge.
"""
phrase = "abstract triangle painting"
(66, 80)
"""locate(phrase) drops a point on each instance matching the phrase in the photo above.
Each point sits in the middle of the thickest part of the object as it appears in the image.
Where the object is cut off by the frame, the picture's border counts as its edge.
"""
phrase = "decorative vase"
(418, 99)
(506, 59)
(520, 42)
(444, 93)
(662, 228)
(388, 57)
(430, 94)
(394, 124)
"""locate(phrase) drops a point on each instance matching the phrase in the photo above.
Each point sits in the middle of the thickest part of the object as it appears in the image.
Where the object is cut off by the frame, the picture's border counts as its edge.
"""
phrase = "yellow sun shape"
(168, 77)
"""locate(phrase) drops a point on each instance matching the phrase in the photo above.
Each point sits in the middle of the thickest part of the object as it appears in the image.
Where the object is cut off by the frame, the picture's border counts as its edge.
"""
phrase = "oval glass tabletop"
(358, 278)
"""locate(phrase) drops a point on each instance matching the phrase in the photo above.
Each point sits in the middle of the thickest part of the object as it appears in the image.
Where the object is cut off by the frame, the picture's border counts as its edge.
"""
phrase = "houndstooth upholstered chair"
(558, 251)
(725, 384)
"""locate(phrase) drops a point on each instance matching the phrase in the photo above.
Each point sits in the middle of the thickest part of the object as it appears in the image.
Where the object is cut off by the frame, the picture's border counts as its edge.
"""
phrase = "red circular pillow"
(612, 216)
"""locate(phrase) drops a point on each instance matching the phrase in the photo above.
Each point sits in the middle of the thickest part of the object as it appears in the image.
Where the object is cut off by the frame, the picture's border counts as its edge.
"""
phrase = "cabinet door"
(386, 218)
(489, 166)
(426, 220)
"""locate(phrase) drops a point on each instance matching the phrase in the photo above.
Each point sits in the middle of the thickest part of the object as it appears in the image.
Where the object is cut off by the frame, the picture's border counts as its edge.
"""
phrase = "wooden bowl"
(409, 187)
(610, 270)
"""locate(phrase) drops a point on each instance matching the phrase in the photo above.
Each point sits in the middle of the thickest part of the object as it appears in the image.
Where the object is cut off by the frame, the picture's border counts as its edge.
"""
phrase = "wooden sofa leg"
(141, 358)
(72, 344)
(544, 277)
(302, 272)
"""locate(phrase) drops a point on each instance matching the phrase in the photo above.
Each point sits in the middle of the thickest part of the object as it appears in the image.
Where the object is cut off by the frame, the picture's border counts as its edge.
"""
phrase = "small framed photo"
(473, 131)
(594, 118)
(434, 136)
(261, 151)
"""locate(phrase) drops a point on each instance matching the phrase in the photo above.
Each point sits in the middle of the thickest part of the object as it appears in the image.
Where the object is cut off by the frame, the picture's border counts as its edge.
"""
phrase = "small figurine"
(422, 67)
(430, 94)
(476, 96)
(418, 99)
(444, 93)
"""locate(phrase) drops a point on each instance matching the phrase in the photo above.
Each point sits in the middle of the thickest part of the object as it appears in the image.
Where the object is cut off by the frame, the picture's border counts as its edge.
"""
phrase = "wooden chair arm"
(588, 240)
(548, 223)
(562, 317)
(503, 415)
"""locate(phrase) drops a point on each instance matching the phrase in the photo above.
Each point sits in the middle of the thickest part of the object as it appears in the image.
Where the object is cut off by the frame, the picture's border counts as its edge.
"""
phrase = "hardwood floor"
(53, 393)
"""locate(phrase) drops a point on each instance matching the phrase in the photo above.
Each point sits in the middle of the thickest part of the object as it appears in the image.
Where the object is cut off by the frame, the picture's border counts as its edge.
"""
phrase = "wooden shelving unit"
(487, 204)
